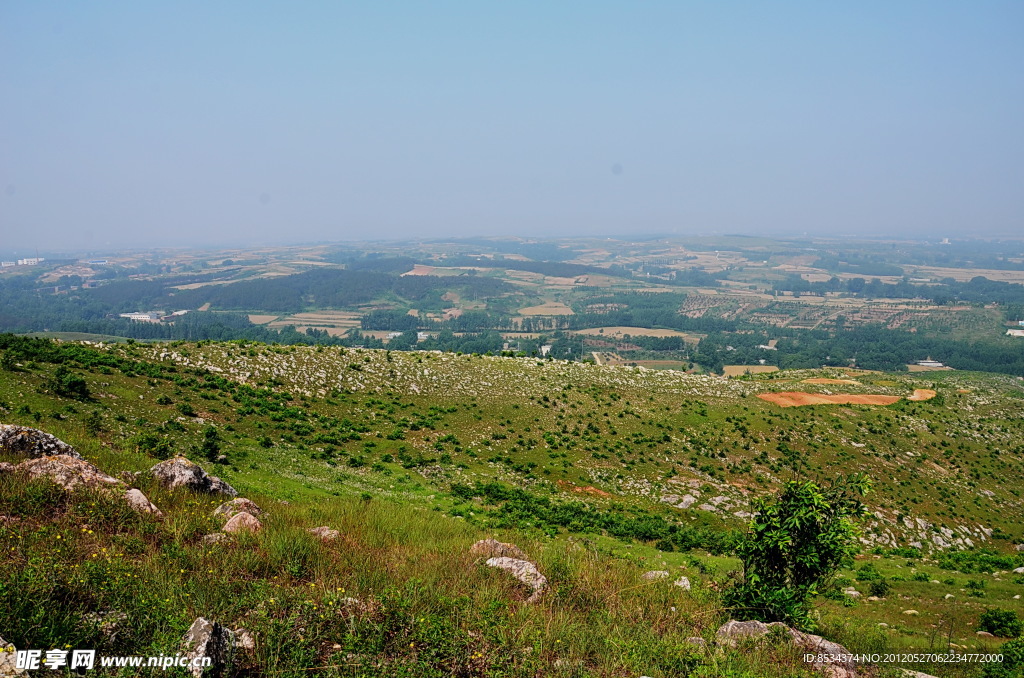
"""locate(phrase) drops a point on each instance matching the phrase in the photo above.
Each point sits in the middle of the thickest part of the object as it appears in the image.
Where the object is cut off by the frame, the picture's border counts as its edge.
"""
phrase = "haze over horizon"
(189, 124)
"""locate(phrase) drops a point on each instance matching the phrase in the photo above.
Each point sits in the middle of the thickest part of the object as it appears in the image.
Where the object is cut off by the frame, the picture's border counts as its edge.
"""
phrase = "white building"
(142, 317)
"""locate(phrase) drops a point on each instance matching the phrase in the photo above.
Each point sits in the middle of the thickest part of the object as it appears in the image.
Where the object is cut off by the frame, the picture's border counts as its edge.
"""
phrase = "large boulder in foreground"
(209, 639)
(524, 571)
(734, 631)
(33, 443)
(180, 472)
(68, 472)
(72, 472)
(492, 548)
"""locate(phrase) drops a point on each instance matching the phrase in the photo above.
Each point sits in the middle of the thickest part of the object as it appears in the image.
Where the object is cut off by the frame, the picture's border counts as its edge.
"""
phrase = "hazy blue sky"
(138, 123)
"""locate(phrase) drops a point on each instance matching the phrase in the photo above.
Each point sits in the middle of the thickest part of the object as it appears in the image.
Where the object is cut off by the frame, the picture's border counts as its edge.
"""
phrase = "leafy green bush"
(1012, 665)
(880, 587)
(976, 587)
(796, 543)
(1004, 623)
(979, 560)
(66, 383)
(868, 573)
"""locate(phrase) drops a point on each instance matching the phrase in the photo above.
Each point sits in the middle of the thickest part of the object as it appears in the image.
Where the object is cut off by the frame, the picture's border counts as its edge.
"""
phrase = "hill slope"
(598, 473)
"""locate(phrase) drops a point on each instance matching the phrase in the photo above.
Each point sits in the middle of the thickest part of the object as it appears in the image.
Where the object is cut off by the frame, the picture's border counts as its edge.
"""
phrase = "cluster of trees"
(871, 347)
(978, 290)
(858, 265)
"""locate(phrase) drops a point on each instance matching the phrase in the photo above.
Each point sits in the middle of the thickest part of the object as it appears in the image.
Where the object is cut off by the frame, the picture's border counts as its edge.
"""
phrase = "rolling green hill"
(599, 473)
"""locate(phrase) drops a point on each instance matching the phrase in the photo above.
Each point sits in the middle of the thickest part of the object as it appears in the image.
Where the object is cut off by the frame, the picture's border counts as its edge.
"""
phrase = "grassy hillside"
(414, 456)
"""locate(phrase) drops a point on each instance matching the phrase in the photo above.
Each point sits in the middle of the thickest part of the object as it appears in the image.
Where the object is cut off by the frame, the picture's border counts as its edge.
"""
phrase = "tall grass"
(397, 594)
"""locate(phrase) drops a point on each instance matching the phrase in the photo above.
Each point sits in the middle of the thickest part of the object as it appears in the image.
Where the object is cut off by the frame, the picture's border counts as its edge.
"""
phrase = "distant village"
(152, 317)
(32, 261)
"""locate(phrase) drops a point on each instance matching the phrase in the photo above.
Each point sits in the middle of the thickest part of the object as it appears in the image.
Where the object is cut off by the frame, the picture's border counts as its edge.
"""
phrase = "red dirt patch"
(583, 490)
(796, 398)
(922, 394)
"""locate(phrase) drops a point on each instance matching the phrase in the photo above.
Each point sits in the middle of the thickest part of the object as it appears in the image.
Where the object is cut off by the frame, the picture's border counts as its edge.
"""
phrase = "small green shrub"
(1003, 623)
(880, 587)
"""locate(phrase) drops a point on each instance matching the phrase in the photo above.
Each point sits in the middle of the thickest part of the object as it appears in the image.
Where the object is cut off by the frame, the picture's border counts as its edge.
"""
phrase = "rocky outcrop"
(68, 472)
(72, 472)
(239, 505)
(8, 659)
(209, 639)
(524, 571)
(33, 443)
(492, 548)
(683, 583)
(324, 533)
(180, 472)
(732, 632)
(243, 522)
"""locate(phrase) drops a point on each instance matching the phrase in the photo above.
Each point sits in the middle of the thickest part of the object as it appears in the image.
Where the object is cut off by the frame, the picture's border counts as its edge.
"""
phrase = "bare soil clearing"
(550, 308)
(797, 398)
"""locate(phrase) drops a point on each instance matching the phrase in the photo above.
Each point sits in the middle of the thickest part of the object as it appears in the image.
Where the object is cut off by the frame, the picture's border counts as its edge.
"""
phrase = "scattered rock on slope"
(655, 574)
(497, 549)
(243, 522)
(324, 533)
(30, 442)
(141, 503)
(524, 571)
(180, 472)
(238, 505)
(68, 472)
(209, 639)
